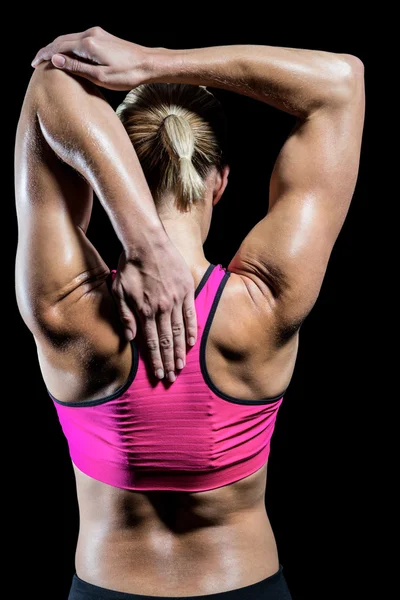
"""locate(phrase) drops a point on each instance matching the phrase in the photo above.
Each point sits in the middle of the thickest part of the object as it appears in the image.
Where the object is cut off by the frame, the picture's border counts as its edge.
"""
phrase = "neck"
(185, 233)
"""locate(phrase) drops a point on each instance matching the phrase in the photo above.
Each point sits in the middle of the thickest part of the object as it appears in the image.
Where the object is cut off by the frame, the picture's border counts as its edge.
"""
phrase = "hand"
(104, 59)
(160, 289)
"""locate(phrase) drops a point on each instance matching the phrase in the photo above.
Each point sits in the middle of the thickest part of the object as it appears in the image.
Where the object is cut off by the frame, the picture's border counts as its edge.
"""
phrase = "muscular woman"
(169, 436)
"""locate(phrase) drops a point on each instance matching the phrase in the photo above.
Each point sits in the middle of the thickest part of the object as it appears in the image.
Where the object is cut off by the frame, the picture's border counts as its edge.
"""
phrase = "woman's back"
(184, 439)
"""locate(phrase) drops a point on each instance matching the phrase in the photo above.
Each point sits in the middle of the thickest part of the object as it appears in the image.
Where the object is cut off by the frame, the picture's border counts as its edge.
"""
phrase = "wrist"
(162, 65)
(145, 243)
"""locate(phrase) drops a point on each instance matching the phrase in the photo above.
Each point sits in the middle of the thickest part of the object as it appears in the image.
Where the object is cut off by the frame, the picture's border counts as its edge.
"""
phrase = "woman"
(170, 441)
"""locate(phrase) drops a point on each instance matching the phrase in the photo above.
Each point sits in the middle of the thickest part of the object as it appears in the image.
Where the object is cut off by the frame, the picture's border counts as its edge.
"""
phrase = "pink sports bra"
(182, 436)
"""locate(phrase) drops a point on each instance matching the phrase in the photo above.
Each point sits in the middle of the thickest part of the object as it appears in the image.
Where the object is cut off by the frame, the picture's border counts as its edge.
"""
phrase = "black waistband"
(275, 586)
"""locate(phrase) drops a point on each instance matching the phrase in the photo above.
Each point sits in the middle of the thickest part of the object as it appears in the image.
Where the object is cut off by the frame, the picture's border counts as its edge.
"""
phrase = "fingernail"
(129, 335)
(192, 341)
(58, 60)
(171, 376)
(160, 373)
(179, 363)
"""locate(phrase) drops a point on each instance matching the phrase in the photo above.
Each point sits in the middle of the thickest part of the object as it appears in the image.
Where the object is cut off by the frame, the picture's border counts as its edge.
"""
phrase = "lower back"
(174, 543)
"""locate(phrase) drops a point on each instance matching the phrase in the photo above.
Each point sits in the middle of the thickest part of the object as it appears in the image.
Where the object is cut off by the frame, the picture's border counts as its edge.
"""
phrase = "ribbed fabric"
(182, 436)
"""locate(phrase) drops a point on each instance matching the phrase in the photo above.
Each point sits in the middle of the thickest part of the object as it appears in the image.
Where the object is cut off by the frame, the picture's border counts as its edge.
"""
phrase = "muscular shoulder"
(245, 354)
(81, 336)
(245, 315)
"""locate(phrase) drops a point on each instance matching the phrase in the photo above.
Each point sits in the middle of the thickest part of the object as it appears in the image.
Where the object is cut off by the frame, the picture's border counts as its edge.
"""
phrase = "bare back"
(200, 542)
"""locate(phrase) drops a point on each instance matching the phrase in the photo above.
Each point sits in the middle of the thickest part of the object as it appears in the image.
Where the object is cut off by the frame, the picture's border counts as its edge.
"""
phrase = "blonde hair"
(178, 132)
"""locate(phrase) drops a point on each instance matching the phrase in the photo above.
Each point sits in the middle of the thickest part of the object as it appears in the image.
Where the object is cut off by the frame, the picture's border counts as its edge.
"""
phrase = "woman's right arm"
(283, 259)
(285, 256)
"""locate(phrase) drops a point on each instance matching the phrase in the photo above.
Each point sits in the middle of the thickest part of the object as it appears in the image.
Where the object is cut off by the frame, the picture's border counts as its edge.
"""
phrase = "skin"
(177, 543)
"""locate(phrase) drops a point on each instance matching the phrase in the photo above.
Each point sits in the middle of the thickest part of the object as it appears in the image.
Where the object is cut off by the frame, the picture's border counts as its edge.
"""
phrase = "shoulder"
(81, 345)
(243, 350)
(244, 314)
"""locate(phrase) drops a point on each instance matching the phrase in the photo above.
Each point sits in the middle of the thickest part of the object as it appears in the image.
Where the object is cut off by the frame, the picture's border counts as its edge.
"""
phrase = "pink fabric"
(161, 436)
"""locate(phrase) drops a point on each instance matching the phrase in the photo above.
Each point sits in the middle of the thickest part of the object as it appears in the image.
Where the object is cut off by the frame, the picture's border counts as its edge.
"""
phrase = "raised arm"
(286, 254)
(67, 118)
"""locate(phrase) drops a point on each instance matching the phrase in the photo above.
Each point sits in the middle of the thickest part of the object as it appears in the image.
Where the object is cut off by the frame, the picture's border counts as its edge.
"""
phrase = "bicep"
(311, 188)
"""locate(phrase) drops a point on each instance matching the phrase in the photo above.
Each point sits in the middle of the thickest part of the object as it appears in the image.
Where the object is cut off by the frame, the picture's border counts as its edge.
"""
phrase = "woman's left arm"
(67, 118)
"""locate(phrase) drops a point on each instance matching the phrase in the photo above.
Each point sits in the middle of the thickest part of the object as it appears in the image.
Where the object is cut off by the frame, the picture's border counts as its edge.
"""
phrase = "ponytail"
(178, 133)
(179, 142)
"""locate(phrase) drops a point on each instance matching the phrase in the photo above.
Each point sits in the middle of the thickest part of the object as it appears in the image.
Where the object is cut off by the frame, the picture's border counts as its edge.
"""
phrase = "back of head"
(178, 132)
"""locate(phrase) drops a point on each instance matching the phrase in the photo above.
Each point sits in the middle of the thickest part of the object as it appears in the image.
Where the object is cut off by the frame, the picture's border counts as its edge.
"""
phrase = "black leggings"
(271, 588)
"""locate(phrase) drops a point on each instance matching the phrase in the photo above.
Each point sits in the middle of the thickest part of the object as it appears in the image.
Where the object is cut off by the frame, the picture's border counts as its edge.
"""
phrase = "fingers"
(85, 48)
(189, 314)
(178, 336)
(150, 331)
(166, 344)
(62, 44)
(171, 339)
(165, 339)
(79, 43)
(168, 326)
(76, 56)
(93, 73)
(125, 313)
(170, 347)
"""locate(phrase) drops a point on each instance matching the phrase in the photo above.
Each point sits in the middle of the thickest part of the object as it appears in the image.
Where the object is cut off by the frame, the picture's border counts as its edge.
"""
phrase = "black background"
(318, 481)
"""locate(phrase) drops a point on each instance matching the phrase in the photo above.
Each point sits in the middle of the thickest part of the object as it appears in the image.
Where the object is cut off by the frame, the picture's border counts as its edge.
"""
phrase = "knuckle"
(124, 317)
(164, 305)
(189, 312)
(94, 30)
(165, 341)
(152, 344)
(46, 51)
(177, 329)
(101, 76)
(147, 311)
(88, 43)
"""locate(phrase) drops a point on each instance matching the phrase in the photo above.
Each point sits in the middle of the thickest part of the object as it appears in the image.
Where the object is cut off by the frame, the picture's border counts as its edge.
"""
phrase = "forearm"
(294, 80)
(84, 131)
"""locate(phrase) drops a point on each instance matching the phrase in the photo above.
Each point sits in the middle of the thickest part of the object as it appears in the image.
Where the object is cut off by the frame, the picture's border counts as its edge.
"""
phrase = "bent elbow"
(352, 74)
(355, 66)
(346, 80)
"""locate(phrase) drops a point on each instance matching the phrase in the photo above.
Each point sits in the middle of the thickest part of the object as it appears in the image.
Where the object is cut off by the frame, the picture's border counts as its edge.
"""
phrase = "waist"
(148, 556)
